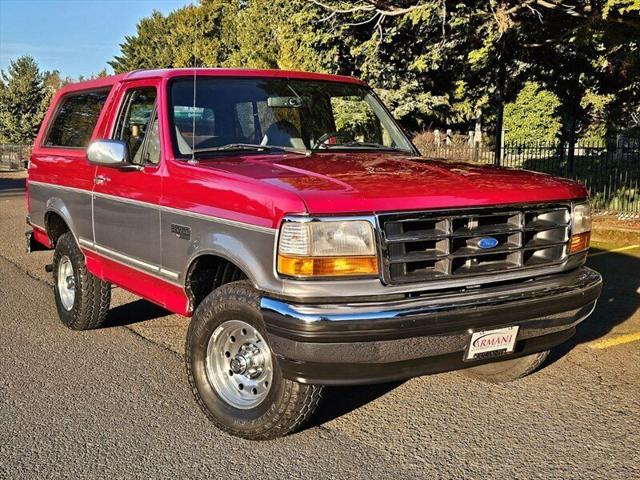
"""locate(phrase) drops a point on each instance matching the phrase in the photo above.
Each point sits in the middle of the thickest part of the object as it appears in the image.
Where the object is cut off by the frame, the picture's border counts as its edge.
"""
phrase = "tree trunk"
(500, 91)
(499, 147)
(571, 140)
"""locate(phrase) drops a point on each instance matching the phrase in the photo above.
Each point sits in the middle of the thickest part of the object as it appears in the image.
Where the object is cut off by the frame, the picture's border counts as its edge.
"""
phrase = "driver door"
(126, 218)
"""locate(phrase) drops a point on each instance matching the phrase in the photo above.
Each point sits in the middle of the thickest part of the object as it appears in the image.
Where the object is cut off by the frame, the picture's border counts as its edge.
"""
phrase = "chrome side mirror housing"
(110, 153)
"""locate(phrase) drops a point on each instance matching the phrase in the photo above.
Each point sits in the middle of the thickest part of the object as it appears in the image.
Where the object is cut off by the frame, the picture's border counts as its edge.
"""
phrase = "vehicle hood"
(374, 182)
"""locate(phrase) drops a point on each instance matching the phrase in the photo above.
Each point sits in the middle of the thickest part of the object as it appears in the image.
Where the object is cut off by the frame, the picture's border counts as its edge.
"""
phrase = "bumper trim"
(360, 343)
(433, 314)
(338, 374)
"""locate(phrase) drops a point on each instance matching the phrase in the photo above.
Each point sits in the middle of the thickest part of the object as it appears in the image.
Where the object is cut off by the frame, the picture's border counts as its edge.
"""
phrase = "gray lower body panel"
(128, 228)
(73, 205)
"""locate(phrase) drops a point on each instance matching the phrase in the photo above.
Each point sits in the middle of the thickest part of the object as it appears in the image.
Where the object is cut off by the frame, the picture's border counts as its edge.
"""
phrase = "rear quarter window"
(75, 119)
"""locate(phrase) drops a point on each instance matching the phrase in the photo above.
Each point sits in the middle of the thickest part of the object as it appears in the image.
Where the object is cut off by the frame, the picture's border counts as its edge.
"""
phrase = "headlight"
(580, 227)
(327, 249)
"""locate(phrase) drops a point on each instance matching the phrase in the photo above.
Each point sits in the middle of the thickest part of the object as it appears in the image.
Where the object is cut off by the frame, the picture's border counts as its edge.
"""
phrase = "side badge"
(181, 231)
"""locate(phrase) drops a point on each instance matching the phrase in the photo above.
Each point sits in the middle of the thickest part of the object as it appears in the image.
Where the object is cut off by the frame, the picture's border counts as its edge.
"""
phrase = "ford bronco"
(289, 215)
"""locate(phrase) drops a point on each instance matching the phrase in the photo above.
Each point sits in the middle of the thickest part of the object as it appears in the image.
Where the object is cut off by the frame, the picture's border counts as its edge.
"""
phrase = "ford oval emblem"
(487, 242)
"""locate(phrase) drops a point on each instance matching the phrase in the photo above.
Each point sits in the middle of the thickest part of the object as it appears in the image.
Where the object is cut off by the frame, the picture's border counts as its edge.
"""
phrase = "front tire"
(507, 370)
(234, 376)
(82, 299)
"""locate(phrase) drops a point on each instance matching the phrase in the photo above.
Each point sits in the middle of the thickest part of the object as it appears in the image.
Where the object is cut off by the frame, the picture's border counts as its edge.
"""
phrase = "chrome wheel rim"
(66, 283)
(239, 365)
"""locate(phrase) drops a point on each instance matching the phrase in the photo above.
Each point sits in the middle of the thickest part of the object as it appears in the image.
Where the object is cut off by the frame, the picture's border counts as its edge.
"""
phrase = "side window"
(75, 119)
(135, 120)
(152, 148)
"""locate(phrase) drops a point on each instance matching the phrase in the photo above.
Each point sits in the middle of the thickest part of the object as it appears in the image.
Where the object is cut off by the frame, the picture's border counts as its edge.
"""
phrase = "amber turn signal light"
(579, 242)
(327, 266)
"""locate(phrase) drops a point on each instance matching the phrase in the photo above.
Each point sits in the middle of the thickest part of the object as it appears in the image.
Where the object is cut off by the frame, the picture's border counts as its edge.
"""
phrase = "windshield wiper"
(237, 147)
(356, 144)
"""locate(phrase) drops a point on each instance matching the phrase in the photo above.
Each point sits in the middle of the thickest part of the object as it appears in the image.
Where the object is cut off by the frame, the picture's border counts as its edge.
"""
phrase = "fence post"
(478, 128)
(619, 146)
(499, 147)
(571, 140)
(570, 158)
(474, 144)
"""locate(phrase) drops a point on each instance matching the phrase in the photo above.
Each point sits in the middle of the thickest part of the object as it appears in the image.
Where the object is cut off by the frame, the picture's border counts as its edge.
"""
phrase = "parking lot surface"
(115, 401)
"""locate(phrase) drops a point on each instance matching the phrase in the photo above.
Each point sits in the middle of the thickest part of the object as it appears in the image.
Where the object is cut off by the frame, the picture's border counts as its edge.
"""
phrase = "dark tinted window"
(75, 119)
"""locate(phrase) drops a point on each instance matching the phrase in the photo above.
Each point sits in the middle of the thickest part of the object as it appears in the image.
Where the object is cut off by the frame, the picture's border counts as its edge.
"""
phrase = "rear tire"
(82, 299)
(228, 362)
(507, 370)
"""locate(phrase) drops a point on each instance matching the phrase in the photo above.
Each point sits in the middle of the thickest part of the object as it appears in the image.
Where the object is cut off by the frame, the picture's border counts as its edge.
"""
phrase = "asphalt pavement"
(114, 402)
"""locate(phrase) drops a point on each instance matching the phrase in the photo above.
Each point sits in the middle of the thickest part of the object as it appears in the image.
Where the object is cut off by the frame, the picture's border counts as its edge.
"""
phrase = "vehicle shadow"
(619, 301)
(12, 186)
(134, 312)
(338, 401)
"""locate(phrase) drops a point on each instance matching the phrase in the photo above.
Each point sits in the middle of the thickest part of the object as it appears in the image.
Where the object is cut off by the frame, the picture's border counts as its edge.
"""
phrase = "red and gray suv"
(289, 215)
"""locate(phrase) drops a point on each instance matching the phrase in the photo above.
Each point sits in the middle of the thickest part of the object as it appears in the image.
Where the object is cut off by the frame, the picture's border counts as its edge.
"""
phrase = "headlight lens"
(581, 218)
(327, 248)
(580, 227)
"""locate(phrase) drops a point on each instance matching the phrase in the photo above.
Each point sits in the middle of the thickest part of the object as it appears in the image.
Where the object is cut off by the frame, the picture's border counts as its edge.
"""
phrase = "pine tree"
(24, 99)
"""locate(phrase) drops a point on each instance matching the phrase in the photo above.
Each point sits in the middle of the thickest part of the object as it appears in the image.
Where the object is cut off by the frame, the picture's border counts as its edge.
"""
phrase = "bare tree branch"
(383, 9)
(504, 15)
(336, 10)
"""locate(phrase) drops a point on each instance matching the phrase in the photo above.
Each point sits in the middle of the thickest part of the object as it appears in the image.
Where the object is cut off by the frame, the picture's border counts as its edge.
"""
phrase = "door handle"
(100, 179)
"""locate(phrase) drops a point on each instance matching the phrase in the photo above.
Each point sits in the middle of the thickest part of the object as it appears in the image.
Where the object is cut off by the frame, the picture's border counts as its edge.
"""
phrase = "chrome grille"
(422, 246)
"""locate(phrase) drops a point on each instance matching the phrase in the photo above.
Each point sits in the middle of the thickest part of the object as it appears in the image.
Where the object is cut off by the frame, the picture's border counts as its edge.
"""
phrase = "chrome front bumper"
(354, 343)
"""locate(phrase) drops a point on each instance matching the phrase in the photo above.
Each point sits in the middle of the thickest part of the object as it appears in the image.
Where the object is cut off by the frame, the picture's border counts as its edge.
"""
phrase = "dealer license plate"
(491, 343)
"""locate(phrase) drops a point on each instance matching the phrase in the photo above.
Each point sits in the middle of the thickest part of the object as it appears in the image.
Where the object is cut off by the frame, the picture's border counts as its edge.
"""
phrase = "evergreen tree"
(434, 62)
(24, 99)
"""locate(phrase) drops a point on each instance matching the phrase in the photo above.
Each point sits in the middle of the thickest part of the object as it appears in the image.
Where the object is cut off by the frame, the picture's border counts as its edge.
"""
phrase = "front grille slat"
(470, 252)
(418, 236)
(417, 257)
(425, 246)
(536, 245)
(486, 230)
(541, 225)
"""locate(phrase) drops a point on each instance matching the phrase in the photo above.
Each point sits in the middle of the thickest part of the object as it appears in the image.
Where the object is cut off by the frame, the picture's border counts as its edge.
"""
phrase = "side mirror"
(110, 153)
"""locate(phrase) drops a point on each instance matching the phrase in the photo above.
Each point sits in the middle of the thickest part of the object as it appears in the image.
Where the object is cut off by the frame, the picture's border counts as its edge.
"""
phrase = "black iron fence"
(610, 170)
(14, 158)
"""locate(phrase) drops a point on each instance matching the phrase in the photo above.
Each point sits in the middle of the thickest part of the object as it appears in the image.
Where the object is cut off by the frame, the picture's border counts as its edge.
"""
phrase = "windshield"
(267, 113)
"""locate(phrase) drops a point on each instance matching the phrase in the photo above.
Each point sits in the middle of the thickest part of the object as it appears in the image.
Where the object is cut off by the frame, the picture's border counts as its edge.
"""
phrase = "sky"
(76, 37)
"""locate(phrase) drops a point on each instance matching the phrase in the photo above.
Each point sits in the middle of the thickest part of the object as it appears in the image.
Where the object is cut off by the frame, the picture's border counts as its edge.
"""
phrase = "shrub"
(532, 117)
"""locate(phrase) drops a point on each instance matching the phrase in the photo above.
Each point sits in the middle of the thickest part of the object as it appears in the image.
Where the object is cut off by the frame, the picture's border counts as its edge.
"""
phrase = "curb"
(615, 235)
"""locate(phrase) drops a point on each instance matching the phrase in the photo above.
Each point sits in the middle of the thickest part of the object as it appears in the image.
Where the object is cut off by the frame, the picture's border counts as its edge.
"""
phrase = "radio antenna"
(193, 110)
